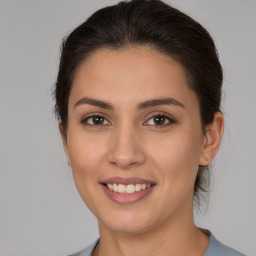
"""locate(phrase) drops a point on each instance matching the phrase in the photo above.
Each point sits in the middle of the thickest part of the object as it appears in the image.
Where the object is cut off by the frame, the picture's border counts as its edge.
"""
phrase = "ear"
(212, 139)
(64, 140)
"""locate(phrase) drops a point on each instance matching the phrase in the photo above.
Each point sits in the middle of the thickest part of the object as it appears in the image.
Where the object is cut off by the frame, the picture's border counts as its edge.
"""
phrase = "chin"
(128, 224)
(126, 228)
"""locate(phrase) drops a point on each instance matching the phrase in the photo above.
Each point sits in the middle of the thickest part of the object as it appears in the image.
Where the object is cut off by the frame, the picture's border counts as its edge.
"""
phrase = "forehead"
(128, 74)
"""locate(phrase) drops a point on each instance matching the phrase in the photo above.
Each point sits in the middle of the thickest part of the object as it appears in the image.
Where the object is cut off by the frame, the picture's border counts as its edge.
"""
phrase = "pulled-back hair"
(147, 23)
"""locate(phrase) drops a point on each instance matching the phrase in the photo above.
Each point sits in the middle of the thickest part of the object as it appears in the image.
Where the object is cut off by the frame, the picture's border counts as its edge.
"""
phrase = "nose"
(126, 149)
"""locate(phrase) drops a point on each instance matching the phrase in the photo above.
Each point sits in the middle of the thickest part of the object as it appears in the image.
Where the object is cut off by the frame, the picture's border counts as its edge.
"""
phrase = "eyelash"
(169, 119)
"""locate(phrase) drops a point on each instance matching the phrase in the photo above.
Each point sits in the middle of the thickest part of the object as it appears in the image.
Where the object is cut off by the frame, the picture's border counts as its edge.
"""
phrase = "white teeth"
(138, 187)
(143, 186)
(128, 189)
(110, 186)
(115, 187)
(121, 188)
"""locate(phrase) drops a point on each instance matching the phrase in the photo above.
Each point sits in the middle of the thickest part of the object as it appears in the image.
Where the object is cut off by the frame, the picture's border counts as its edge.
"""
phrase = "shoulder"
(216, 248)
(87, 251)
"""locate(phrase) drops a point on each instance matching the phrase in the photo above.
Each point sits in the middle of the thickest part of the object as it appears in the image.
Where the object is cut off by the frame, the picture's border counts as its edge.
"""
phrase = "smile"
(127, 189)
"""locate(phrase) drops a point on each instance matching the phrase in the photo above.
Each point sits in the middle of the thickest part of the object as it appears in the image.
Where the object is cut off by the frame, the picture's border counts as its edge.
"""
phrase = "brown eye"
(160, 121)
(98, 120)
(95, 120)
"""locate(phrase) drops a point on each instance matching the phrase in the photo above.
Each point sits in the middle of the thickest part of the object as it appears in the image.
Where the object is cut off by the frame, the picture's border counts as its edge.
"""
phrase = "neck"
(178, 236)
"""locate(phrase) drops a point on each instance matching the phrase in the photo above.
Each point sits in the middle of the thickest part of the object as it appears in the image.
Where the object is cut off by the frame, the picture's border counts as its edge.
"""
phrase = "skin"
(129, 143)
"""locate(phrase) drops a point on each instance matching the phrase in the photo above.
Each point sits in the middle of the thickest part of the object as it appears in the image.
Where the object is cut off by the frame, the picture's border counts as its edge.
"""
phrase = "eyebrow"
(140, 106)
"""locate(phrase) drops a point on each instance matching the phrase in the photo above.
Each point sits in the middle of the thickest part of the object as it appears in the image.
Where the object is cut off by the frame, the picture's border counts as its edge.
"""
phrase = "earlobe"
(64, 140)
(212, 139)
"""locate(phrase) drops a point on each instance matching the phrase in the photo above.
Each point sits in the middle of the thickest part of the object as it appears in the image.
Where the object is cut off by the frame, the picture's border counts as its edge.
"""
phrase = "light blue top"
(215, 248)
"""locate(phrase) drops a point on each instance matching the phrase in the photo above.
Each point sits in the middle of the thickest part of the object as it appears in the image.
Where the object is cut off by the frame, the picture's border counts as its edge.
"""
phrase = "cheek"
(177, 157)
(86, 156)
(181, 147)
(85, 151)
(176, 161)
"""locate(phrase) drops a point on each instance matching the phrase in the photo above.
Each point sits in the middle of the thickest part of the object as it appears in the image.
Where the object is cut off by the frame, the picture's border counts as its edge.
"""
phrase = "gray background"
(41, 212)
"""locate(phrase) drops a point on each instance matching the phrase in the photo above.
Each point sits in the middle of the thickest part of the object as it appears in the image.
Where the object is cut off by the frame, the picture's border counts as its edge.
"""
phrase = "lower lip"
(123, 198)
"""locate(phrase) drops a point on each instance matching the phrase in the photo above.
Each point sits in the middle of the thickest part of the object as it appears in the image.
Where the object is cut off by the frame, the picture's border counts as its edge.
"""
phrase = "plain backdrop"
(41, 212)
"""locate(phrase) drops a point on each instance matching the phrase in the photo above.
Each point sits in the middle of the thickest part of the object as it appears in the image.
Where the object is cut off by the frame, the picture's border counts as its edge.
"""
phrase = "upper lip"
(126, 181)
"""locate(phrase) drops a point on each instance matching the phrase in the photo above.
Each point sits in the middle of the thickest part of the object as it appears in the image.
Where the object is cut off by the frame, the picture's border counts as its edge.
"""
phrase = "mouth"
(127, 190)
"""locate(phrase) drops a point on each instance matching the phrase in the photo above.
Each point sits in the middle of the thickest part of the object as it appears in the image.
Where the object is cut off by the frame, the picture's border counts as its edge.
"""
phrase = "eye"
(95, 120)
(160, 121)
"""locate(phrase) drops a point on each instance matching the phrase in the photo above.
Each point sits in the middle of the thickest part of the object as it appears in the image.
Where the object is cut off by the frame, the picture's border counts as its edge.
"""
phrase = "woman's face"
(132, 119)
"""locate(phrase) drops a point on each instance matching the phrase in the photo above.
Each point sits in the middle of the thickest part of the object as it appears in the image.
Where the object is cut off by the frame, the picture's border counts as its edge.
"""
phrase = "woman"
(138, 101)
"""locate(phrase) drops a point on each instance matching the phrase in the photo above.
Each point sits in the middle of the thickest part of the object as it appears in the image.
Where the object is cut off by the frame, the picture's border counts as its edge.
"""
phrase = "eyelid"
(152, 115)
(163, 114)
(93, 115)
